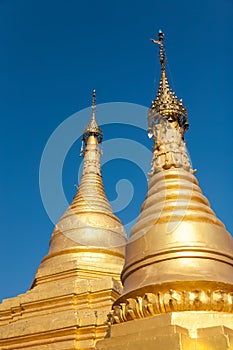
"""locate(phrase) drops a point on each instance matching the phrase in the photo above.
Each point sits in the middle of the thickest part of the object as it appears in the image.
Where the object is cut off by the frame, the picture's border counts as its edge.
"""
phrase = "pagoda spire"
(89, 227)
(92, 128)
(167, 123)
(179, 256)
(79, 279)
(166, 103)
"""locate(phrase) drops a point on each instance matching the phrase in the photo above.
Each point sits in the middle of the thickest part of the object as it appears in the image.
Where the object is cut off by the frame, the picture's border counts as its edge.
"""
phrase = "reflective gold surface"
(89, 240)
(170, 300)
(178, 273)
(169, 149)
(177, 238)
(173, 331)
(178, 244)
(65, 314)
(73, 289)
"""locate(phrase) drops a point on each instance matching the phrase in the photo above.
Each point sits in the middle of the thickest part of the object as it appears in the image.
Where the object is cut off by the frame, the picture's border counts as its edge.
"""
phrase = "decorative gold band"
(171, 301)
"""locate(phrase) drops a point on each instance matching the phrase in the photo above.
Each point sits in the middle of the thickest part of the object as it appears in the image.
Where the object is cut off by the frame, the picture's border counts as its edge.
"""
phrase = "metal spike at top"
(162, 54)
(93, 101)
(166, 103)
(93, 128)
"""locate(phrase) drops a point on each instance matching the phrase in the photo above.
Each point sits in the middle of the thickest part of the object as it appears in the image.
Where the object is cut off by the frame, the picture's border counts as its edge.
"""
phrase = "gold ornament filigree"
(171, 300)
(166, 102)
(169, 147)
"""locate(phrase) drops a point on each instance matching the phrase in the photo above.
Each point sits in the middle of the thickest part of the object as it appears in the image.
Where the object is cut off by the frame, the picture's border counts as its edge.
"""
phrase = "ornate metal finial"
(162, 54)
(92, 128)
(167, 122)
(93, 102)
(166, 103)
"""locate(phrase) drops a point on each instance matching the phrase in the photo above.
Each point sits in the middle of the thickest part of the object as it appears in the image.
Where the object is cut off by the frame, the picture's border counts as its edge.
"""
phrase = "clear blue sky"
(53, 53)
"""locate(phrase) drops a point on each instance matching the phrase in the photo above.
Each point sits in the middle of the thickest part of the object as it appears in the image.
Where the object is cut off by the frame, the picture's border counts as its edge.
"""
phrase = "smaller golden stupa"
(178, 273)
(79, 279)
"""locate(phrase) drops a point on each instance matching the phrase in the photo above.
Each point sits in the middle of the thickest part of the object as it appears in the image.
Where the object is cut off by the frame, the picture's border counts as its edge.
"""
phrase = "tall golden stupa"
(178, 273)
(178, 270)
(79, 279)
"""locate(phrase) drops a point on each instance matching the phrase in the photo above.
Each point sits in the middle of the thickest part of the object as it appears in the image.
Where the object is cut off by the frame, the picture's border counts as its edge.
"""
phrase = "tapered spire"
(179, 256)
(167, 122)
(89, 240)
(166, 103)
(92, 128)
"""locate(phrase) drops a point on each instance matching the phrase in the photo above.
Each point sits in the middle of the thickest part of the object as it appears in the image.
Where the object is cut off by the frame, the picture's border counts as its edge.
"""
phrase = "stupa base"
(190, 330)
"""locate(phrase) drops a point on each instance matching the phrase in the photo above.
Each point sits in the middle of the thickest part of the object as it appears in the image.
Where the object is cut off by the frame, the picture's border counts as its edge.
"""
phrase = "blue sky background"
(53, 53)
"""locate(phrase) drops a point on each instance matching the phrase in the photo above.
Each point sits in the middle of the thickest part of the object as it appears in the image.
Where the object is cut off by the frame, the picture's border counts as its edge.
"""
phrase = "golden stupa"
(178, 273)
(79, 279)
